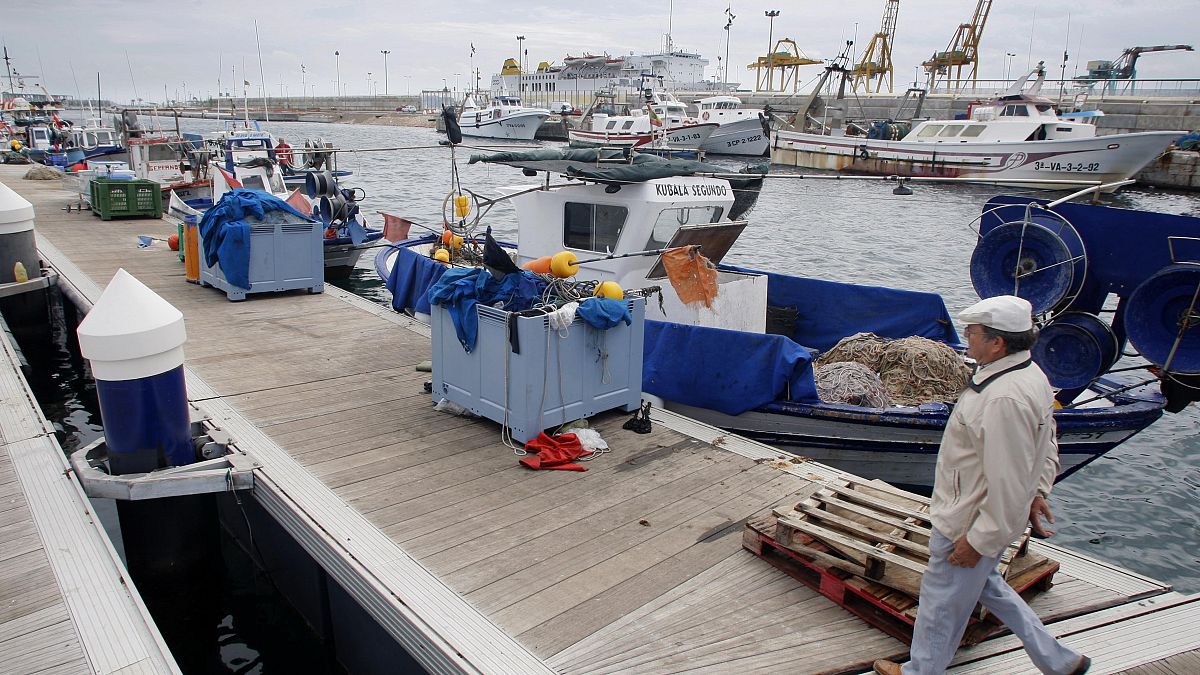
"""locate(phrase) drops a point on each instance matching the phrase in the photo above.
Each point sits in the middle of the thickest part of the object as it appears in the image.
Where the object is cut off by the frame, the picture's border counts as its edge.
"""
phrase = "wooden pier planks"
(560, 560)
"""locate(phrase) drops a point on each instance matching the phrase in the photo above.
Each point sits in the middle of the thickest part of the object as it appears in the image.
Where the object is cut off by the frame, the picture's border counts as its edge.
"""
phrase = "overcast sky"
(184, 46)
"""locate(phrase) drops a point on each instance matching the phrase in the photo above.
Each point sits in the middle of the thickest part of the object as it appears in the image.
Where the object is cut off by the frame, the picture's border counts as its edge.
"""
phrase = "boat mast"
(261, 78)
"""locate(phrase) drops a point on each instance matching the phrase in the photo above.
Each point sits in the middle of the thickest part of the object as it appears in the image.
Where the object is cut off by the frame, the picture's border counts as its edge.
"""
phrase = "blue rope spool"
(1074, 348)
(1161, 312)
(1047, 254)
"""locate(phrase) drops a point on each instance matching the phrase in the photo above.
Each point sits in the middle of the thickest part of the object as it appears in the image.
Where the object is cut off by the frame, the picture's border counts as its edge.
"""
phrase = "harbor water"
(1138, 506)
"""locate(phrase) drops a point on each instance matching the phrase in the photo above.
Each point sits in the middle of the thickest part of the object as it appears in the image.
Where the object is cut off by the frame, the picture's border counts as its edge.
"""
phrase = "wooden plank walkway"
(66, 602)
(472, 562)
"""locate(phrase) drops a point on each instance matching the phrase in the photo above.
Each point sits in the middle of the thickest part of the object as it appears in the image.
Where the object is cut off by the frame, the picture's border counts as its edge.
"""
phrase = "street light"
(771, 14)
(368, 83)
(1008, 56)
(520, 54)
(337, 62)
(385, 52)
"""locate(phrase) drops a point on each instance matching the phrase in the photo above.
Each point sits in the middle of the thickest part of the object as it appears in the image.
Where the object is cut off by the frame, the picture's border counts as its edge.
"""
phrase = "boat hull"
(1076, 163)
(900, 445)
(519, 126)
(748, 137)
(342, 255)
(690, 137)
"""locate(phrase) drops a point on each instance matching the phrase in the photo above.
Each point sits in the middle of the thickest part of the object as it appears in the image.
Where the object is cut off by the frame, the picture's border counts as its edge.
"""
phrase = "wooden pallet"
(855, 582)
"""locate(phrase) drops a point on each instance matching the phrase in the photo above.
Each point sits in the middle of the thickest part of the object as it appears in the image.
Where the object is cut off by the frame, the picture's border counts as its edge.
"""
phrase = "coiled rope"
(912, 370)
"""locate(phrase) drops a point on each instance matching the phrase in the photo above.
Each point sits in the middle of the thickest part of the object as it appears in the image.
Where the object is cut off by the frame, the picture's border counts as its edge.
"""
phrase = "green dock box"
(126, 198)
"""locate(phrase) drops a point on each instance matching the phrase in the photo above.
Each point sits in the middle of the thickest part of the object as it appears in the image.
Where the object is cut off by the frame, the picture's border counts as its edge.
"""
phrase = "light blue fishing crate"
(285, 254)
(549, 380)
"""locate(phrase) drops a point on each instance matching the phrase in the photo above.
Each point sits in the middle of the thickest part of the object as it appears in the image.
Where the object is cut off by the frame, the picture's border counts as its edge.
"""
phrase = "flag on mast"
(655, 121)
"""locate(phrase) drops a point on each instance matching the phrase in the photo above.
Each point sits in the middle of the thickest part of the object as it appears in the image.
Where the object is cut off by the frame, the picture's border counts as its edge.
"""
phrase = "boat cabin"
(502, 105)
(723, 109)
(593, 221)
(1005, 120)
(95, 137)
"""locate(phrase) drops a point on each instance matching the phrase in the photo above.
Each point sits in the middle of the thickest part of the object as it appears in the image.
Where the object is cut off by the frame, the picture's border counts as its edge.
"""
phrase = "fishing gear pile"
(851, 383)
(912, 370)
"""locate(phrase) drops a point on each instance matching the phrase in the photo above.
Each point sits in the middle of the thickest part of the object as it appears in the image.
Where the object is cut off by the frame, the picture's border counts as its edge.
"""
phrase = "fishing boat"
(96, 140)
(742, 131)
(663, 124)
(778, 324)
(1017, 139)
(247, 160)
(505, 117)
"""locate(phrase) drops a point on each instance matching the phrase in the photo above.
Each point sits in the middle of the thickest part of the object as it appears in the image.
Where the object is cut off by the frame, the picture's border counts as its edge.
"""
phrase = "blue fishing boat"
(746, 361)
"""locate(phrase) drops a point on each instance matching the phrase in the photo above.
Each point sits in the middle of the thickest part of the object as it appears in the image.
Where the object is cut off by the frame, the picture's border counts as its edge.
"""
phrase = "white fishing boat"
(1017, 137)
(775, 324)
(664, 123)
(742, 131)
(505, 117)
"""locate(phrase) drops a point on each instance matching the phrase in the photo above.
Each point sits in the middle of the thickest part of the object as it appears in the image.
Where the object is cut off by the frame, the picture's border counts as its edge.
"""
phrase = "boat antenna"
(220, 67)
(1062, 71)
(262, 78)
(8, 65)
(77, 94)
(132, 81)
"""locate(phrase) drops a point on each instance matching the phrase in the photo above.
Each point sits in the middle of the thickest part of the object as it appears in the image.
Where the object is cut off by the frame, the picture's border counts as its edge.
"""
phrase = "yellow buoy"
(456, 242)
(442, 255)
(562, 264)
(610, 289)
(462, 205)
(20, 273)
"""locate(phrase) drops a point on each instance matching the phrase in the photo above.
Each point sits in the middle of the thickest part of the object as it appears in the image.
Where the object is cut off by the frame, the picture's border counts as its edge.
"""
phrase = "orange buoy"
(562, 264)
(173, 242)
(446, 236)
(540, 265)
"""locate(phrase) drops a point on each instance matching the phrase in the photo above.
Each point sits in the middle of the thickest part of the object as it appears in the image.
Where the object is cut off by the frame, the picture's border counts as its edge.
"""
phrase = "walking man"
(995, 467)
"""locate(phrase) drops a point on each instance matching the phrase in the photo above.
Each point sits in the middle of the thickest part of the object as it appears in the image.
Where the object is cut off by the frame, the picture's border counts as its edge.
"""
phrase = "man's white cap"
(1003, 312)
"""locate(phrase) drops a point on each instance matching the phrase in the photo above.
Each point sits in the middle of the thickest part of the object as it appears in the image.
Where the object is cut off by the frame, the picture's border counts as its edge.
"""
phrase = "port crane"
(1124, 67)
(877, 59)
(786, 62)
(962, 51)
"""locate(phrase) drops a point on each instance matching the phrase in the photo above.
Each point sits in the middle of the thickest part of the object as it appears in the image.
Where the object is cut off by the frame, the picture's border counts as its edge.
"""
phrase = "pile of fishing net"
(909, 371)
(43, 172)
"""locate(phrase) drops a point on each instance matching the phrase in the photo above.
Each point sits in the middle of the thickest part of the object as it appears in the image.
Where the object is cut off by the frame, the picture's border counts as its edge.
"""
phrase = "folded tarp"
(725, 370)
(828, 311)
(459, 290)
(411, 276)
(226, 234)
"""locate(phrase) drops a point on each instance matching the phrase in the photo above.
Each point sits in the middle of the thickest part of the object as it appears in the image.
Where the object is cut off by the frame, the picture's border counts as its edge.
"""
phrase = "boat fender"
(705, 115)
(862, 152)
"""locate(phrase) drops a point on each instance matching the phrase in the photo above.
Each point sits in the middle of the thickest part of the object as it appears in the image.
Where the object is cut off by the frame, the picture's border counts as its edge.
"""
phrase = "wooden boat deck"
(474, 563)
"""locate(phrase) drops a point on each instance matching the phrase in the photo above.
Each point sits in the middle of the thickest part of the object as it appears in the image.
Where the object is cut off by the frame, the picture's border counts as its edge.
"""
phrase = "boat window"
(627, 126)
(930, 130)
(974, 130)
(670, 220)
(611, 125)
(277, 186)
(1045, 110)
(162, 153)
(254, 183)
(593, 227)
(950, 131)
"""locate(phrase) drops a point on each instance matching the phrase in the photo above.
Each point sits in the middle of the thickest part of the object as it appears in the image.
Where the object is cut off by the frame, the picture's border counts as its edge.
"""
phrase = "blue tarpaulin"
(460, 289)
(828, 311)
(725, 370)
(604, 313)
(226, 234)
(411, 276)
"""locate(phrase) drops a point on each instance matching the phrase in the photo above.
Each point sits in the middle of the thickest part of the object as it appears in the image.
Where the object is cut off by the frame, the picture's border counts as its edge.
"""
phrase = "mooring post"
(134, 341)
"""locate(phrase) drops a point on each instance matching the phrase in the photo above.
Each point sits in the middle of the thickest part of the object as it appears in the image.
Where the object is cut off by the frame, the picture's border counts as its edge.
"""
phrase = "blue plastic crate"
(549, 380)
(285, 254)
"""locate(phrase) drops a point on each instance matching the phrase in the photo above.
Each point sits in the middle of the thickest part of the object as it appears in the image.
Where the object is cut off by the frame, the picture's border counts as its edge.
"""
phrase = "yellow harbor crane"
(877, 60)
(786, 62)
(962, 51)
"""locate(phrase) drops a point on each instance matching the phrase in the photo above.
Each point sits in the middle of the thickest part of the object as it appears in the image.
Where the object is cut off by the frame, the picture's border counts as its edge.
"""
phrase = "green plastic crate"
(126, 198)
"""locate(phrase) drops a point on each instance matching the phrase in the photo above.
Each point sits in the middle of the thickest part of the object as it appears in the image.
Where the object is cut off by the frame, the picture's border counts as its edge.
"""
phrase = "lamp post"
(303, 85)
(385, 52)
(728, 24)
(771, 14)
(520, 55)
(337, 63)
(456, 83)
(1008, 57)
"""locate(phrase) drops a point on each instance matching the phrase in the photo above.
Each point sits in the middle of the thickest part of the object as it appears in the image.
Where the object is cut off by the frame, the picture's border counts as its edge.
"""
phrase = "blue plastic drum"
(1074, 348)
(1048, 253)
(1156, 315)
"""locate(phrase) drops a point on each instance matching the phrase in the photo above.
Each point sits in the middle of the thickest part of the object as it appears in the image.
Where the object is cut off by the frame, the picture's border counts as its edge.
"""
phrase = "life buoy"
(705, 116)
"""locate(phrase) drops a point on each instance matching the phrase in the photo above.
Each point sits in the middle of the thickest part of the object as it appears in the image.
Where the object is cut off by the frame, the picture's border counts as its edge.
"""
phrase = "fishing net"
(851, 383)
(918, 370)
(913, 370)
(864, 348)
(42, 172)
(692, 276)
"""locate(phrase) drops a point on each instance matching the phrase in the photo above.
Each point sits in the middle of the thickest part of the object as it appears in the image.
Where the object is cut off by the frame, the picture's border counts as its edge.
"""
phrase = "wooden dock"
(475, 564)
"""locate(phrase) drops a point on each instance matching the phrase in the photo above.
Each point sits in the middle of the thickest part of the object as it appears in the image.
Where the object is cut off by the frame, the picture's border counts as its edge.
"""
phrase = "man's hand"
(1037, 509)
(964, 555)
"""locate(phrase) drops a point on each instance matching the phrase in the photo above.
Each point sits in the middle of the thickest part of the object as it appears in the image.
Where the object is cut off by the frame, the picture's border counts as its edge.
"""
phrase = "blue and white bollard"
(134, 341)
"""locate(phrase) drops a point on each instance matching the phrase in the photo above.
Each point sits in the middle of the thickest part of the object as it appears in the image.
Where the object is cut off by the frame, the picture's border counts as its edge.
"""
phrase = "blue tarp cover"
(460, 289)
(828, 311)
(226, 234)
(725, 370)
(411, 276)
(604, 313)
